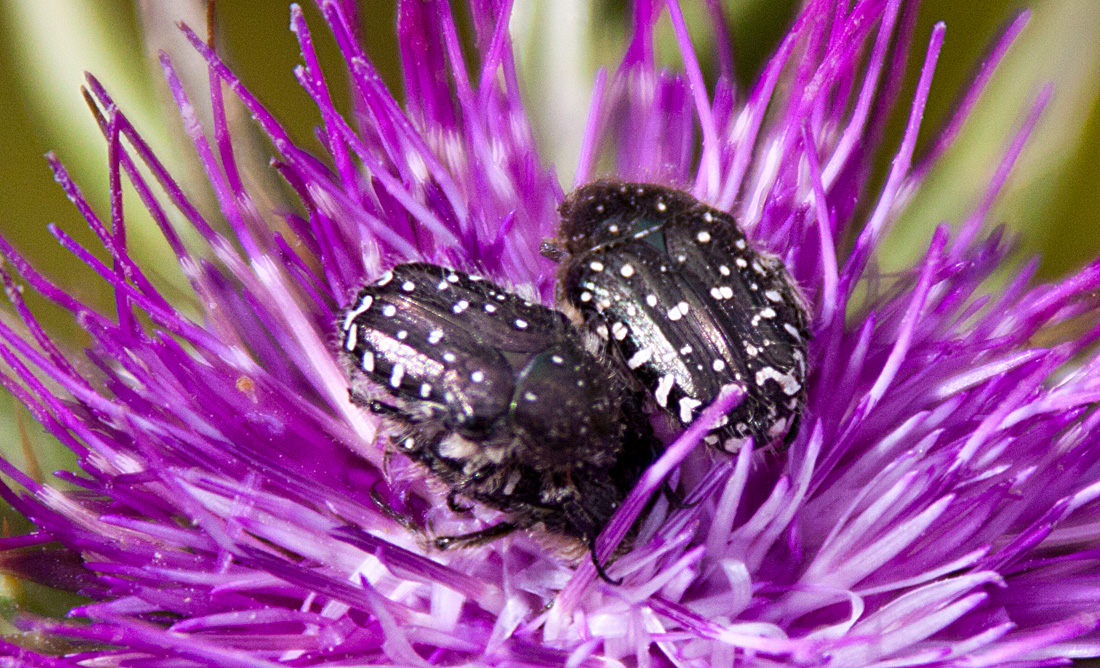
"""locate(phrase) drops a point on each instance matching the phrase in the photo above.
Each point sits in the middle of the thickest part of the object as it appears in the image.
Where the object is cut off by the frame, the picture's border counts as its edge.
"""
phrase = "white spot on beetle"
(707, 217)
(402, 334)
(586, 296)
(425, 390)
(510, 484)
(661, 206)
(619, 331)
(774, 296)
(490, 308)
(687, 407)
(389, 310)
(724, 270)
(627, 271)
(408, 286)
(521, 324)
(726, 291)
(435, 336)
(397, 375)
(792, 331)
(778, 428)
(651, 299)
(596, 266)
(460, 306)
(718, 365)
(557, 359)
(664, 386)
(530, 396)
(453, 278)
(768, 313)
(639, 358)
(386, 278)
(449, 358)
(686, 350)
(359, 309)
(740, 243)
(786, 381)
(477, 377)
(740, 262)
(368, 362)
(456, 447)
(703, 237)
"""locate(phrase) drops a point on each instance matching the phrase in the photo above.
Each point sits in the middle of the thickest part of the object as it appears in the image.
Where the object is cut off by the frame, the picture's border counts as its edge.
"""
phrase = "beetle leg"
(600, 569)
(675, 498)
(474, 538)
(454, 505)
(404, 520)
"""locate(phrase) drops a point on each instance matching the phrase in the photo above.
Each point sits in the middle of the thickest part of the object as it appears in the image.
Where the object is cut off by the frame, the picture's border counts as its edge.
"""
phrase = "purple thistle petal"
(708, 168)
(946, 135)
(590, 139)
(900, 166)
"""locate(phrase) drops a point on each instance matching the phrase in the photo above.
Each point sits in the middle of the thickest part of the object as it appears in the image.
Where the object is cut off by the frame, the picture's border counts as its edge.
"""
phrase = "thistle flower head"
(938, 505)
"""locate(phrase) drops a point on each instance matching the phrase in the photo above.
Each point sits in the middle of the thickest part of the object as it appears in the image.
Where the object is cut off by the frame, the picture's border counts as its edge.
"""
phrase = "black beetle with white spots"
(518, 407)
(687, 304)
(502, 399)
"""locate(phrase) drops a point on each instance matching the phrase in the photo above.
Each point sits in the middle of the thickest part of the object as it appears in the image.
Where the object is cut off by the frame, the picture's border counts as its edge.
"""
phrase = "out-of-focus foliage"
(1053, 195)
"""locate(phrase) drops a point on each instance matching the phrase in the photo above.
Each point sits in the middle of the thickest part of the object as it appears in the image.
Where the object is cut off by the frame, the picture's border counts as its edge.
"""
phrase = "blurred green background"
(1053, 199)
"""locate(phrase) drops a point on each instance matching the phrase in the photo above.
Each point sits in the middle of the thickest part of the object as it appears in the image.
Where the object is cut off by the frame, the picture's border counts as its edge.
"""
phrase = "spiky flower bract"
(938, 506)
